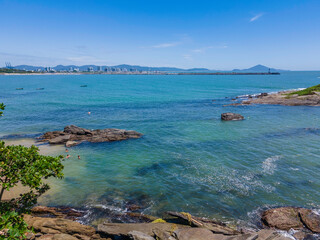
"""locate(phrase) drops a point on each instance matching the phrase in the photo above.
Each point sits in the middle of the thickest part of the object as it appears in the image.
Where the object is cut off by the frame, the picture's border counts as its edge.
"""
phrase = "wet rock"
(63, 212)
(310, 219)
(231, 116)
(214, 226)
(283, 218)
(300, 235)
(123, 229)
(135, 235)
(73, 135)
(268, 234)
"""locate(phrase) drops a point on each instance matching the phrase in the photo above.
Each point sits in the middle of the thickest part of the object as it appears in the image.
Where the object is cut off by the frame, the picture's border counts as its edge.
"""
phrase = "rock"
(310, 219)
(73, 135)
(283, 218)
(65, 212)
(196, 234)
(123, 229)
(73, 143)
(300, 235)
(135, 235)
(59, 139)
(58, 225)
(268, 234)
(46, 237)
(231, 116)
(63, 237)
(213, 226)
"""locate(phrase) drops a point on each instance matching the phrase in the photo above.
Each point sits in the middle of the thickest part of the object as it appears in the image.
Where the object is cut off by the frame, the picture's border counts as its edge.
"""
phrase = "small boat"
(19, 88)
(84, 86)
(39, 88)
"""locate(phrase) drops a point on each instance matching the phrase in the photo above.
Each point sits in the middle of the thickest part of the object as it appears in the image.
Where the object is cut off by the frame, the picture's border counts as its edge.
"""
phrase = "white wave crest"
(269, 165)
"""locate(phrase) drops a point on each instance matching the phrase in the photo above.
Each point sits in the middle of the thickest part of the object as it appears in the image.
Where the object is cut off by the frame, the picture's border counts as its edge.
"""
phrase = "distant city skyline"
(185, 34)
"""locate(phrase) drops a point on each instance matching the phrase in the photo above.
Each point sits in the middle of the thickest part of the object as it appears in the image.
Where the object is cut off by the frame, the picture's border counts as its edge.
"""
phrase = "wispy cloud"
(204, 49)
(187, 57)
(256, 17)
(166, 45)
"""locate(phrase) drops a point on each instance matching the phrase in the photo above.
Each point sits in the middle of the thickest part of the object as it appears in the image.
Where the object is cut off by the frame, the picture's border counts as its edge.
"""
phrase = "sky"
(215, 34)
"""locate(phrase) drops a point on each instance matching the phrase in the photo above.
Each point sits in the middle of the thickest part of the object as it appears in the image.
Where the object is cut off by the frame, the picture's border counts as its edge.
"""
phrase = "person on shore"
(78, 156)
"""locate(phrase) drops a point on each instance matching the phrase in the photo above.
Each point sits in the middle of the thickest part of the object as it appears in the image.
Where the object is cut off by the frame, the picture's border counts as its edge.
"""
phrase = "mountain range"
(257, 68)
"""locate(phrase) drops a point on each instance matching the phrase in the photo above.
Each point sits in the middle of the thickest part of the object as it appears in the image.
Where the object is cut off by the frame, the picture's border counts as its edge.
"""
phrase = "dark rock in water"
(73, 135)
(262, 95)
(19, 88)
(214, 226)
(283, 218)
(231, 116)
(62, 212)
(310, 219)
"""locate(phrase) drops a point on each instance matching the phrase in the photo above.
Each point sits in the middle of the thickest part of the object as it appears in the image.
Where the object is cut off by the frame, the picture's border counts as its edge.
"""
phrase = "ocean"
(188, 159)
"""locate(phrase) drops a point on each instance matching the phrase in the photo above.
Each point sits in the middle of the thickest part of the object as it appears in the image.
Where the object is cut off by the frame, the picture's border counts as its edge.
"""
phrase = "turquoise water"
(187, 160)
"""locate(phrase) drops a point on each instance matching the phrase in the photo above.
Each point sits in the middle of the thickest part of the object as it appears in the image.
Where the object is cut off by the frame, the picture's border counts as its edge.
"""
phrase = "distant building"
(76, 70)
(71, 69)
(99, 69)
(90, 69)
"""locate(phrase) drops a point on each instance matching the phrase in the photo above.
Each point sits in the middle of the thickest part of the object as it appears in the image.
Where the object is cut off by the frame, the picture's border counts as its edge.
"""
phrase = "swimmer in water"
(78, 157)
(89, 113)
(67, 150)
(68, 156)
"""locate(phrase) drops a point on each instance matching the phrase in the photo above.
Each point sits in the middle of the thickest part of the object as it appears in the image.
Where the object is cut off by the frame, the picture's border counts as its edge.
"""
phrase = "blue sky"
(222, 34)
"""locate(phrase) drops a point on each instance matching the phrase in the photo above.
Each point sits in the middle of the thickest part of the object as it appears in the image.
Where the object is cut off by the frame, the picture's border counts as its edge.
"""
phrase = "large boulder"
(73, 135)
(283, 218)
(310, 219)
(231, 116)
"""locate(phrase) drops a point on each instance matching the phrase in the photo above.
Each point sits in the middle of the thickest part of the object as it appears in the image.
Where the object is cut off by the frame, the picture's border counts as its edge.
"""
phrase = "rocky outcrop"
(282, 98)
(59, 228)
(73, 135)
(123, 229)
(231, 116)
(286, 218)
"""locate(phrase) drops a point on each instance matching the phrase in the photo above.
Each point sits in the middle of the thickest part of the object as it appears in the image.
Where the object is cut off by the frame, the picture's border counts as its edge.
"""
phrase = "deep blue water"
(187, 160)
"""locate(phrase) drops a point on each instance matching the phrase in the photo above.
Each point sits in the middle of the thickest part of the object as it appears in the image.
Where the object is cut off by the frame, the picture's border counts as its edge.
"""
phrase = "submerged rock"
(73, 135)
(231, 116)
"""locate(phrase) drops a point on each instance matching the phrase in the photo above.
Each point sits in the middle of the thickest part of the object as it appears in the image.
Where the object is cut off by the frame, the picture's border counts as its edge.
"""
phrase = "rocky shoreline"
(51, 223)
(285, 98)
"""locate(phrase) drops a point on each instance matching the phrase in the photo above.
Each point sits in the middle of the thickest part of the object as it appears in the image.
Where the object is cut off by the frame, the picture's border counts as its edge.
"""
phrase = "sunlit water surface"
(188, 159)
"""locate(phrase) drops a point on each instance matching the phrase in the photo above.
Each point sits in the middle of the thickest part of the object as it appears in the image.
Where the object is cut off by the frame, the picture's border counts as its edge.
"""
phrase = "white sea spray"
(269, 165)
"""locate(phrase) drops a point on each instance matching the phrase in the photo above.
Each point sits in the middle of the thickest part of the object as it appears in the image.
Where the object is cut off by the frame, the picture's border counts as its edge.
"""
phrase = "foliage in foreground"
(25, 166)
(307, 91)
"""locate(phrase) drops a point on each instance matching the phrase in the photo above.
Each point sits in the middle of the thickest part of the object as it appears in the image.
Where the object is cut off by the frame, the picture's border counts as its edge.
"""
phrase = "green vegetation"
(25, 166)
(11, 70)
(307, 91)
